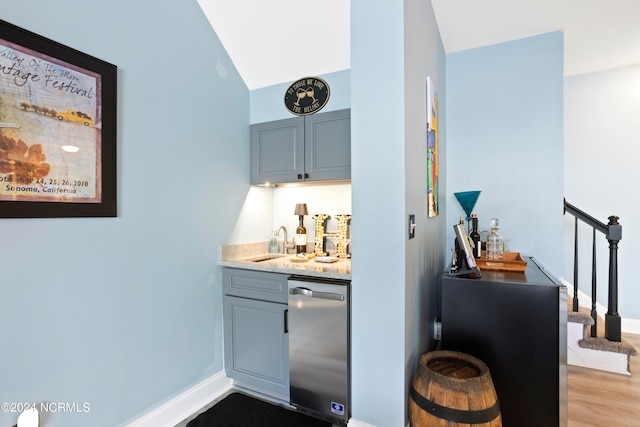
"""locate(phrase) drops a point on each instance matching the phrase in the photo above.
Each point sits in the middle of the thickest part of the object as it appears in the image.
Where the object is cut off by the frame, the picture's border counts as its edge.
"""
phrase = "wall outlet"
(437, 330)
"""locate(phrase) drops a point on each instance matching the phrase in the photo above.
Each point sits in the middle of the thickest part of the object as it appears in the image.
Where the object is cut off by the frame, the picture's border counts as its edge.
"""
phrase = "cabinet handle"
(286, 321)
(299, 176)
(306, 176)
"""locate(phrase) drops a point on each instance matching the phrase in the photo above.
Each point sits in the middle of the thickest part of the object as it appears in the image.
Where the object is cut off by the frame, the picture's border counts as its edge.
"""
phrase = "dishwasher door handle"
(316, 294)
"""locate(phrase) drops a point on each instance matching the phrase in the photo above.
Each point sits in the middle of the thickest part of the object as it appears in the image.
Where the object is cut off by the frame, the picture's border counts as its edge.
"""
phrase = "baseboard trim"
(630, 326)
(185, 404)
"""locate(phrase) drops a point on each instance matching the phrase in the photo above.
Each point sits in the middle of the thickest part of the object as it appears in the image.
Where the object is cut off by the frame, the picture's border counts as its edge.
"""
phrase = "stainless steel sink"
(266, 257)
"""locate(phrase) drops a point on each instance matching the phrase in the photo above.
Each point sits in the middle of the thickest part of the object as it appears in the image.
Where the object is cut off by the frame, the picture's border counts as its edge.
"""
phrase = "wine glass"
(345, 243)
(335, 239)
(332, 235)
(300, 93)
(311, 93)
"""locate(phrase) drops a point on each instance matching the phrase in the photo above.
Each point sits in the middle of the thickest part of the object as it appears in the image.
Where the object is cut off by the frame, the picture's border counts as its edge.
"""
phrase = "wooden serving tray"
(511, 261)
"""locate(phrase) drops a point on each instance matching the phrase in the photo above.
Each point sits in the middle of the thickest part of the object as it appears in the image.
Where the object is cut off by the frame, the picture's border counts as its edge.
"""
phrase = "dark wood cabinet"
(516, 324)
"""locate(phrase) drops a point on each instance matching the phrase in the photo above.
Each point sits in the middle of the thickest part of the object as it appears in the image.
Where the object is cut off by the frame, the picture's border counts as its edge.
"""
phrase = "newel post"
(612, 322)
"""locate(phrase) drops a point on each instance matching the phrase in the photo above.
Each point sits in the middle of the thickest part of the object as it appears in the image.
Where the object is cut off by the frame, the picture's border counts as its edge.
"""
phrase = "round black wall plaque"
(306, 96)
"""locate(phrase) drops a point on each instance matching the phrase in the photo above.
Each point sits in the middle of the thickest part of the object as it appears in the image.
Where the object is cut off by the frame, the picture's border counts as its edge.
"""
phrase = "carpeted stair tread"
(604, 344)
(580, 317)
(597, 343)
(600, 343)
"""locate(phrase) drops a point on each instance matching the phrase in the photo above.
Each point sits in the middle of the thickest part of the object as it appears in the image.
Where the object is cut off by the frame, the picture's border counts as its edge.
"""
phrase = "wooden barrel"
(453, 389)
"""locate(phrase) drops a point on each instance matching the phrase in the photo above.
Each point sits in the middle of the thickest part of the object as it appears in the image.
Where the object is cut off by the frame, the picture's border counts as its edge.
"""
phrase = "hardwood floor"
(596, 398)
(603, 399)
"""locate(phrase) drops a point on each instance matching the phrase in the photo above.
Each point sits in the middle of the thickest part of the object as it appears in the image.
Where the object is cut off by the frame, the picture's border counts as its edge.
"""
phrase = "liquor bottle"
(301, 237)
(494, 241)
(475, 237)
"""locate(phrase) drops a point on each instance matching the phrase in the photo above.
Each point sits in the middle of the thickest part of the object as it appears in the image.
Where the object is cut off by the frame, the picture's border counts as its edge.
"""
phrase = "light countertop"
(244, 255)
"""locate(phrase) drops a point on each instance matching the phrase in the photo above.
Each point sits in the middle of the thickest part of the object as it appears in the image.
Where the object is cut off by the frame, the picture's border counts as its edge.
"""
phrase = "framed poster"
(57, 129)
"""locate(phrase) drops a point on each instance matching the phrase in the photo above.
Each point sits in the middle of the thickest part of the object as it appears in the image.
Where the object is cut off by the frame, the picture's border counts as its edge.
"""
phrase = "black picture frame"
(55, 98)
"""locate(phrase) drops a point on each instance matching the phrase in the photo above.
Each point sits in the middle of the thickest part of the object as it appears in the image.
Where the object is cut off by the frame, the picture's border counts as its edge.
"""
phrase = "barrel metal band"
(456, 415)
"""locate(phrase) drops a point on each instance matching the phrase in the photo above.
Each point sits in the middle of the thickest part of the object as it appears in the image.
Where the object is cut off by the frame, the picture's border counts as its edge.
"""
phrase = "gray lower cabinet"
(309, 148)
(256, 344)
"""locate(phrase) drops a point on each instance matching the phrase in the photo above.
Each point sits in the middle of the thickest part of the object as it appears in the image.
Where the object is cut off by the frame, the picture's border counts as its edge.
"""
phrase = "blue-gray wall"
(122, 313)
(378, 200)
(426, 253)
(267, 103)
(602, 175)
(505, 138)
(394, 46)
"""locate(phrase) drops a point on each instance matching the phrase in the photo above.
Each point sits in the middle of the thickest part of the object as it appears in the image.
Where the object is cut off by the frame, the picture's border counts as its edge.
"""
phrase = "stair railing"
(613, 232)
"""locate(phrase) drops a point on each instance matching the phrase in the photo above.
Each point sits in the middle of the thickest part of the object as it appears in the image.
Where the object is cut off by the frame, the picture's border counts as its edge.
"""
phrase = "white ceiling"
(278, 41)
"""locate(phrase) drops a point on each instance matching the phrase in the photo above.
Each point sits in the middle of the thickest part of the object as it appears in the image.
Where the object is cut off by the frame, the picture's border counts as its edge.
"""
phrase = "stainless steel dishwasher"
(319, 347)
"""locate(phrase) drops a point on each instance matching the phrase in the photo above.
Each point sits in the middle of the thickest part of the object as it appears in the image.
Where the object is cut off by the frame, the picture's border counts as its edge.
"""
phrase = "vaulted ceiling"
(278, 41)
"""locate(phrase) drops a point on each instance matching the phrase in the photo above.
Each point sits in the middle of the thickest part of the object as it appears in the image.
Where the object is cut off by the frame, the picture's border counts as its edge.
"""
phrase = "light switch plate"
(412, 226)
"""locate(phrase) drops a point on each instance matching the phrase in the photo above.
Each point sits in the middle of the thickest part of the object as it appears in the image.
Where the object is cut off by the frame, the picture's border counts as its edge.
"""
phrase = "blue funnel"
(467, 200)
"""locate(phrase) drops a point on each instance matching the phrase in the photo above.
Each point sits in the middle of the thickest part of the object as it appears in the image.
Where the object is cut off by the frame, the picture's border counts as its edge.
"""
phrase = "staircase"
(595, 352)
(589, 344)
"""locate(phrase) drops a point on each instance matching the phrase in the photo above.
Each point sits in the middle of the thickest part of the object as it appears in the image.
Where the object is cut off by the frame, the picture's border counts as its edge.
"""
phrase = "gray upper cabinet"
(299, 149)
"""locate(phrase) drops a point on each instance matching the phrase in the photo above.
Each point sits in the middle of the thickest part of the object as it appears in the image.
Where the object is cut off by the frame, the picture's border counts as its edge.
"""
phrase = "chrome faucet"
(284, 244)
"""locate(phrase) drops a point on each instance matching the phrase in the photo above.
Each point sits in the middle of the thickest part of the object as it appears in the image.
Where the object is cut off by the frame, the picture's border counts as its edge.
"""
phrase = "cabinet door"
(277, 151)
(256, 345)
(328, 146)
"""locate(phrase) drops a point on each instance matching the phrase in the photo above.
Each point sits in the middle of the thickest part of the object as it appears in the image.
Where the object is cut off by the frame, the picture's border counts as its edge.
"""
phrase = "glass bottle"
(273, 243)
(495, 243)
(301, 236)
(475, 237)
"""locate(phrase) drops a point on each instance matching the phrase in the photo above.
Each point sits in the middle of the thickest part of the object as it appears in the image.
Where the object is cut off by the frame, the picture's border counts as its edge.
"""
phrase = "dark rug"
(240, 410)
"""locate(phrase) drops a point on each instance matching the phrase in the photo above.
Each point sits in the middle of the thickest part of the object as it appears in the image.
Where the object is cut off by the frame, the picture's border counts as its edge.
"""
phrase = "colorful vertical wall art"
(432, 148)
